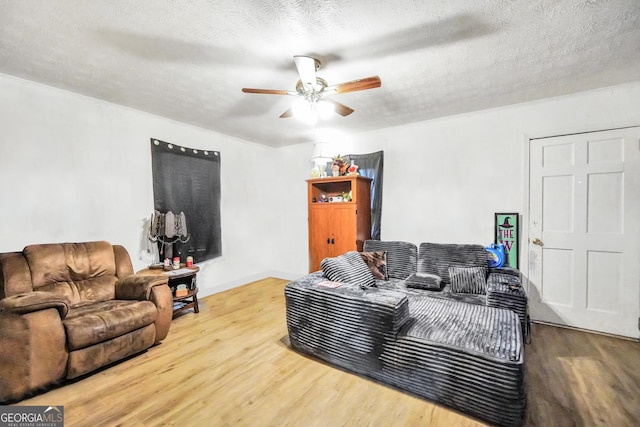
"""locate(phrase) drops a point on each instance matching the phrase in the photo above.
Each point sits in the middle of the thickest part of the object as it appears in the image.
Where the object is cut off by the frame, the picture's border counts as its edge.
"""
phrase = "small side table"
(183, 276)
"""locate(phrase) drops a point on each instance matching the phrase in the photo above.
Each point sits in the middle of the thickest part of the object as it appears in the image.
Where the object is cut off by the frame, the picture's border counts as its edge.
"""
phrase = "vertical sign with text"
(507, 234)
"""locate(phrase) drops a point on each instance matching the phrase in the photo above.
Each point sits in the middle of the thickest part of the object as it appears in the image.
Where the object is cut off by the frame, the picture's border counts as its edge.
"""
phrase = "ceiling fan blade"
(307, 69)
(268, 91)
(287, 113)
(341, 109)
(356, 85)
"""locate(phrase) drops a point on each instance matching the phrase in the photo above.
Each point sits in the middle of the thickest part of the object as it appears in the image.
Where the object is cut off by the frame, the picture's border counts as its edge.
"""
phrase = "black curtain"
(371, 165)
(188, 180)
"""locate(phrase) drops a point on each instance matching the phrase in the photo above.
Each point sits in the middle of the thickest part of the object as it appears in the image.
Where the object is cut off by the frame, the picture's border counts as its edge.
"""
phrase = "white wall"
(75, 168)
(444, 179)
(290, 191)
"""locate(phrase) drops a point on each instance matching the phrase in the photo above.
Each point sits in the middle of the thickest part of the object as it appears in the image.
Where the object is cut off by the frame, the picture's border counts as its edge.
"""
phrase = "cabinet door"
(319, 236)
(332, 232)
(343, 229)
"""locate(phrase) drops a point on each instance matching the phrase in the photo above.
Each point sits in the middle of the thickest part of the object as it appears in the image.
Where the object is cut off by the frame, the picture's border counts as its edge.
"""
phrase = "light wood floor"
(230, 365)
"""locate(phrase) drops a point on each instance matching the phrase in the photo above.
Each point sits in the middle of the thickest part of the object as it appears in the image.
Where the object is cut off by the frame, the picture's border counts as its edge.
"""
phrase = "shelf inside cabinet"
(332, 188)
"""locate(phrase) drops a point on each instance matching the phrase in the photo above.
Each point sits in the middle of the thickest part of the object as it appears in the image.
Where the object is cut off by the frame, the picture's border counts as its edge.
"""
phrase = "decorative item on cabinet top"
(340, 167)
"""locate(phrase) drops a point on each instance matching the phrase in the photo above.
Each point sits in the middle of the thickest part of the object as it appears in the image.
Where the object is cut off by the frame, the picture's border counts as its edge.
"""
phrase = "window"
(188, 180)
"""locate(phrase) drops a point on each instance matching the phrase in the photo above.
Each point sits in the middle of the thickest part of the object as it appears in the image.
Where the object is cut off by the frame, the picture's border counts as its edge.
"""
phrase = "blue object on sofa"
(496, 254)
(463, 351)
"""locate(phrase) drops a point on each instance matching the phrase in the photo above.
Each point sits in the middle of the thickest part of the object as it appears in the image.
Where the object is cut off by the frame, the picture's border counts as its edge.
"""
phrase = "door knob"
(537, 241)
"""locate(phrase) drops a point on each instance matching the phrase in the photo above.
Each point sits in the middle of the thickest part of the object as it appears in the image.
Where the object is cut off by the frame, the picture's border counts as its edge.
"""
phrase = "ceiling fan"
(312, 91)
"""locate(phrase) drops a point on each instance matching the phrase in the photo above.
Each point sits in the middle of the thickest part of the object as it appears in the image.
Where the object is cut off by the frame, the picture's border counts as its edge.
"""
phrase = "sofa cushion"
(377, 263)
(344, 324)
(470, 280)
(348, 268)
(90, 358)
(436, 258)
(424, 281)
(102, 321)
(401, 256)
(79, 272)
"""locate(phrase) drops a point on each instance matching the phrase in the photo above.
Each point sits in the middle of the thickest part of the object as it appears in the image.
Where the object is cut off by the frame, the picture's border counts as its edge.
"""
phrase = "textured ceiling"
(189, 60)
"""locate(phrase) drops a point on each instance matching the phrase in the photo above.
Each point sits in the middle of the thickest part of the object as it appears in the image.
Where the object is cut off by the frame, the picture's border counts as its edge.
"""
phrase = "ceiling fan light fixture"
(303, 111)
(325, 109)
(310, 112)
(311, 89)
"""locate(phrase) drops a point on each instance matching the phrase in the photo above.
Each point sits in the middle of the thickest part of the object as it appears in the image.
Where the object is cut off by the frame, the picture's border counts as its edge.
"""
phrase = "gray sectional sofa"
(421, 328)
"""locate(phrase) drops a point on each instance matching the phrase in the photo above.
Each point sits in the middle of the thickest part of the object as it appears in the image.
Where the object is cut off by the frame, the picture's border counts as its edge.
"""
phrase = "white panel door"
(584, 231)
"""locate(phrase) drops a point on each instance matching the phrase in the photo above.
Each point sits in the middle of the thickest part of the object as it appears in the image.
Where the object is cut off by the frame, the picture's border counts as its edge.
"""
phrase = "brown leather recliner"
(68, 309)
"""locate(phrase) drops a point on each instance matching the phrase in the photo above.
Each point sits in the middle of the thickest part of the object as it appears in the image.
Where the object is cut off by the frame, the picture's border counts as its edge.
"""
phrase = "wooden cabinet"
(336, 227)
